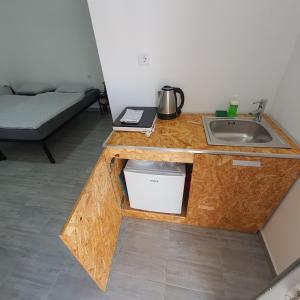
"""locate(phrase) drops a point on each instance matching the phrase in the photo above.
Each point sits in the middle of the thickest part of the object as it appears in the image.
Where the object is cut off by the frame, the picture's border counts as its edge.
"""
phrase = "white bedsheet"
(22, 112)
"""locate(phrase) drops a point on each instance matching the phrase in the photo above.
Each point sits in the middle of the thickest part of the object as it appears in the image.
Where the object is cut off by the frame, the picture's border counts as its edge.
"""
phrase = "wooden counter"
(186, 134)
(221, 194)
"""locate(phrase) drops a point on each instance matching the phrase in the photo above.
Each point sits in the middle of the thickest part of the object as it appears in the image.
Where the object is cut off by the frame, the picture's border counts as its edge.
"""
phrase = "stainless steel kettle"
(168, 105)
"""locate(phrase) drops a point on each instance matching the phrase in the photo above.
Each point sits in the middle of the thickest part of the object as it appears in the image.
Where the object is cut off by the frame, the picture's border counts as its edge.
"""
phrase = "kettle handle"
(179, 91)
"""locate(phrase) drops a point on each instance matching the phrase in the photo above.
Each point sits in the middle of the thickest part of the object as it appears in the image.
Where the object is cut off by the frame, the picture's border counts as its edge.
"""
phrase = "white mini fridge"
(155, 186)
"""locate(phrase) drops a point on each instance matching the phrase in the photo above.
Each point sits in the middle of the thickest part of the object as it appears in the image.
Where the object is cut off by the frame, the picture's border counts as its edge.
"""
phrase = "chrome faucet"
(260, 110)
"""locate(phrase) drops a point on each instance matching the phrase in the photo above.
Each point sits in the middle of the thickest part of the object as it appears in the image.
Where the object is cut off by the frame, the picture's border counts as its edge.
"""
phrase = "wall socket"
(143, 59)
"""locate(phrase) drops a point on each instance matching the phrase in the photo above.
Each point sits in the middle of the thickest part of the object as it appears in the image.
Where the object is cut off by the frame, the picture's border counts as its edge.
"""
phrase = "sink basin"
(241, 132)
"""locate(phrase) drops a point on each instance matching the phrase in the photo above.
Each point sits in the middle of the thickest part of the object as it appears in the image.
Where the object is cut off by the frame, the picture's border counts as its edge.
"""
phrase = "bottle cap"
(234, 102)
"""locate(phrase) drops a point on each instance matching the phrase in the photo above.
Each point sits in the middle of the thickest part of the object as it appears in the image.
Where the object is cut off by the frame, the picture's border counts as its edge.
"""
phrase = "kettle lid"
(167, 88)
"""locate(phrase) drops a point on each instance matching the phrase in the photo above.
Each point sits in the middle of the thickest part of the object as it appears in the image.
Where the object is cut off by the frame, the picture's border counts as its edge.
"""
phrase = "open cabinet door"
(92, 228)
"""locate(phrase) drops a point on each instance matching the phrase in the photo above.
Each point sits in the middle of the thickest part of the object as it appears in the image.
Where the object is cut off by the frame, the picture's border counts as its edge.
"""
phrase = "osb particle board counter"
(186, 134)
(221, 194)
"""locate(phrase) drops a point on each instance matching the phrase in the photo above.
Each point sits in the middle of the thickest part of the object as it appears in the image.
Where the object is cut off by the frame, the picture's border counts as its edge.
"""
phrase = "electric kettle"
(168, 105)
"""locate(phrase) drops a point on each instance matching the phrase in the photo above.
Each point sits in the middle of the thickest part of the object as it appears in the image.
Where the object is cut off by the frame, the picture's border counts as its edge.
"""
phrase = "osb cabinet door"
(92, 229)
(227, 193)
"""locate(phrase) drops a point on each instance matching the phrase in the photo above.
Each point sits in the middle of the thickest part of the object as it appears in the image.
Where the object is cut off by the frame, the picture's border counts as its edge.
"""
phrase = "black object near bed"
(23, 131)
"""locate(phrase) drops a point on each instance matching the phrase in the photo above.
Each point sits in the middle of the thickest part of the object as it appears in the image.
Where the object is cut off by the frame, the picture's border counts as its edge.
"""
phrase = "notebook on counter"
(136, 118)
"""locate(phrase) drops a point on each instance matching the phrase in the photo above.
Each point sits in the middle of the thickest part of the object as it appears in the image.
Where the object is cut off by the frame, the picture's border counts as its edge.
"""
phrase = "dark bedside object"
(103, 101)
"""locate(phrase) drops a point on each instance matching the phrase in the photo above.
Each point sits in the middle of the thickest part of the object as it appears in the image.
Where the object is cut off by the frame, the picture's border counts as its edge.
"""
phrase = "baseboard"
(268, 253)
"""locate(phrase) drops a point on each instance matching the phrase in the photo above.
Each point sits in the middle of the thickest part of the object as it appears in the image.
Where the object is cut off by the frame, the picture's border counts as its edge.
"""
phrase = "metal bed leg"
(2, 156)
(47, 151)
(100, 106)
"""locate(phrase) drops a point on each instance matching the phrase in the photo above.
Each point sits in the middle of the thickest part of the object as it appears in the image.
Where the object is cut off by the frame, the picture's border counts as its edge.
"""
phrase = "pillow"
(33, 88)
(73, 88)
(5, 90)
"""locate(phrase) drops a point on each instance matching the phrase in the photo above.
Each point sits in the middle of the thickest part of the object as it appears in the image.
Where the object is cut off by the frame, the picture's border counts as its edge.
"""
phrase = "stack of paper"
(132, 116)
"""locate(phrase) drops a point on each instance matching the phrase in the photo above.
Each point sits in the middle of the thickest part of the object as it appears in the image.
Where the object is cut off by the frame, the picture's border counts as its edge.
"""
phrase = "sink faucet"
(260, 110)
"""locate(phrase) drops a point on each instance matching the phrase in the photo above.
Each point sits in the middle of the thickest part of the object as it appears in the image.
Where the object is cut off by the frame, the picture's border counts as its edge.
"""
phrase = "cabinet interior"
(128, 211)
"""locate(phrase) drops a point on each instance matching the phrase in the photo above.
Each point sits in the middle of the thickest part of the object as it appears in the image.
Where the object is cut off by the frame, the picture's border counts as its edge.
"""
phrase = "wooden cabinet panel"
(243, 198)
(92, 228)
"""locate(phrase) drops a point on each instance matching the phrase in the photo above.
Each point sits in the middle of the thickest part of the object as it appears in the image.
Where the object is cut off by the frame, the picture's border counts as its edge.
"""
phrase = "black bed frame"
(43, 141)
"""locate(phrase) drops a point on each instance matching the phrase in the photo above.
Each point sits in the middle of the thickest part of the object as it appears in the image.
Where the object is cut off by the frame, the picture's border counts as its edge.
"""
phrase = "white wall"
(286, 107)
(282, 233)
(49, 41)
(212, 49)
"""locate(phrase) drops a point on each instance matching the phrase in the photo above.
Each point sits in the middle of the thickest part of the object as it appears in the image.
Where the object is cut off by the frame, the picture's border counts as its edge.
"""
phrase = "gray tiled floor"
(153, 260)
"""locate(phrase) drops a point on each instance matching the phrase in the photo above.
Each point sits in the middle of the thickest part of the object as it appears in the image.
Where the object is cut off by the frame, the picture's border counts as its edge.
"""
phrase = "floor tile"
(141, 265)
(245, 263)
(178, 293)
(145, 244)
(125, 287)
(239, 287)
(8, 260)
(73, 287)
(153, 229)
(195, 276)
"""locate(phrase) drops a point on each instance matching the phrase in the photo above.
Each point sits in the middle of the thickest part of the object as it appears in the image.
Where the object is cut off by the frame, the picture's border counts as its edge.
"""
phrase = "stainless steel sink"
(241, 132)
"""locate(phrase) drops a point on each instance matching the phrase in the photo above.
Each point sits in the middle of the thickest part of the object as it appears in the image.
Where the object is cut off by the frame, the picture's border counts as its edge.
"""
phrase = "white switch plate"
(143, 59)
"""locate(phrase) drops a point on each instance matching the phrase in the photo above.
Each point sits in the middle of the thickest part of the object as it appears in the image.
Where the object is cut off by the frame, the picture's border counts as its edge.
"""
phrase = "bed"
(35, 118)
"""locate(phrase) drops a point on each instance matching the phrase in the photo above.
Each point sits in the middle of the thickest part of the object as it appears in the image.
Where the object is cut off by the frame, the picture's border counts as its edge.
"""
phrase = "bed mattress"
(35, 117)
